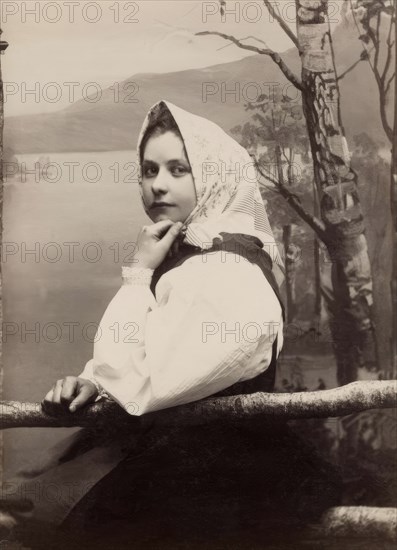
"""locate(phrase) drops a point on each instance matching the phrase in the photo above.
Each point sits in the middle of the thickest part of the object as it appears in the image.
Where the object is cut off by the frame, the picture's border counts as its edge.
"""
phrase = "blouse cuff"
(101, 391)
(136, 275)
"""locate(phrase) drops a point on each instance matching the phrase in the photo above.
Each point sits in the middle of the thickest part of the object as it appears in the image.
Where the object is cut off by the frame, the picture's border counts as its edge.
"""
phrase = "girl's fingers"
(57, 392)
(49, 395)
(48, 398)
(68, 389)
(84, 396)
(160, 228)
(47, 403)
(171, 235)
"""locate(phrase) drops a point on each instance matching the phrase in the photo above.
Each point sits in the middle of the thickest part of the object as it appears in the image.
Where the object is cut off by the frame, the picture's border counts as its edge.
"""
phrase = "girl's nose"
(160, 182)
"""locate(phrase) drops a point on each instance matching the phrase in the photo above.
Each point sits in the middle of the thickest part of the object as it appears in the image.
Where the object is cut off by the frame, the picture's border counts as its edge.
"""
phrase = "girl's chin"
(163, 216)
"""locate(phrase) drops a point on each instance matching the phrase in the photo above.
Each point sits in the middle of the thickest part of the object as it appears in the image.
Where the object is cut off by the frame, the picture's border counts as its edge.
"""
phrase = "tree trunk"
(393, 200)
(289, 273)
(350, 311)
(317, 267)
(317, 284)
(1, 237)
(290, 266)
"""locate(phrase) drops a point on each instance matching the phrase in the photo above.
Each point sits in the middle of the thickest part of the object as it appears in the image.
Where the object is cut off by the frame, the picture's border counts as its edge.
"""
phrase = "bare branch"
(390, 45)
(382, 107)
(263, 51)
(363, 522)
(363, 57)
(246, 38)
(349, 399)
(284, 154)
(380, 80)
(387, 128)
(377, 38)
(295, 203)
(271, 179)
(281, 22)
(359, 32)
(388, 83)
(374, 66)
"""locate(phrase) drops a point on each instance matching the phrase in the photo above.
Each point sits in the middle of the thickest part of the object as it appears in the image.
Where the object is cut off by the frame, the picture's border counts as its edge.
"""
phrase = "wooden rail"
(342, 401)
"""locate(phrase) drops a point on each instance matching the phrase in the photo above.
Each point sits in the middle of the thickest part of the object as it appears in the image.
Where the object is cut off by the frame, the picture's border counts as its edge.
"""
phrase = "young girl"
(198, 314)
(214, 312)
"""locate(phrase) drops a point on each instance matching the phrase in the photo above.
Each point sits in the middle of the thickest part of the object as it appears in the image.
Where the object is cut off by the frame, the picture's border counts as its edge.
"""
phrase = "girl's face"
(167, 182)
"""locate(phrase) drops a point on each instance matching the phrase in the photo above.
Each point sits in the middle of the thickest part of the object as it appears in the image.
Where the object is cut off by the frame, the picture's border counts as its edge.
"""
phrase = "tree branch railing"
(360, 522)
(342, 522)
(352, 398)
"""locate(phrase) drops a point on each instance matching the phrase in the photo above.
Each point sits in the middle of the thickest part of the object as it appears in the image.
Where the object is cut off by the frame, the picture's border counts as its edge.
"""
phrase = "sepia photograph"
(198, 278)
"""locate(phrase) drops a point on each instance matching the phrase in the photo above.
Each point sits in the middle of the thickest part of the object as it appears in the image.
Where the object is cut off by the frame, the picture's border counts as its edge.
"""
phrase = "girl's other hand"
(69, 394)
(154, 243)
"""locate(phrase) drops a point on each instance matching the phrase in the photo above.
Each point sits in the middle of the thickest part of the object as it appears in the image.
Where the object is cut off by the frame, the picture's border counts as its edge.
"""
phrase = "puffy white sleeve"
(200, 335)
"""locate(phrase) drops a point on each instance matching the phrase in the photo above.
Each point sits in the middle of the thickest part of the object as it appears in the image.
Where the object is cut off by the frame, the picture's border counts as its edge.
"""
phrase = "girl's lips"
(160, 205)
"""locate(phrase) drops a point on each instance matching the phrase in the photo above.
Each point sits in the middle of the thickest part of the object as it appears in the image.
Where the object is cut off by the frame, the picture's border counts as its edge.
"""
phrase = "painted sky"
(108, 41)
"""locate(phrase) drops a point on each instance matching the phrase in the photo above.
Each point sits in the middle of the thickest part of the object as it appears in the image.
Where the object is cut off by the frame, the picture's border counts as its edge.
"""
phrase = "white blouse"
(212, 324)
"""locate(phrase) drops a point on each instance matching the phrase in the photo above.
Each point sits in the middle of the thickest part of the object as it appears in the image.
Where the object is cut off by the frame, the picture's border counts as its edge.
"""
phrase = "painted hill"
(114, 125)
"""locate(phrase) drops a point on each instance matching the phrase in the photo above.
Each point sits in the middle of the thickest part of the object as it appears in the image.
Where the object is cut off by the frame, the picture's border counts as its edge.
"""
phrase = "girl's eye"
(149, 172)
(179, 170)
(176, 170)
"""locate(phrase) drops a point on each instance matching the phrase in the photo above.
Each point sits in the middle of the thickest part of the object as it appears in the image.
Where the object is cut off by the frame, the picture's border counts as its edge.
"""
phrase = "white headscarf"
(225, 179)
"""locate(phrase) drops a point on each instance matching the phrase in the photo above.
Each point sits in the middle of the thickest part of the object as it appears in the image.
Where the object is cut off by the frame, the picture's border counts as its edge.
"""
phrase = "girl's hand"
(68, 395)
(155, 241)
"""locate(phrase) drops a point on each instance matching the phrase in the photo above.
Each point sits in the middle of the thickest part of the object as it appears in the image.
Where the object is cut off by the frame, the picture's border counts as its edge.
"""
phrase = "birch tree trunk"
(350, 316)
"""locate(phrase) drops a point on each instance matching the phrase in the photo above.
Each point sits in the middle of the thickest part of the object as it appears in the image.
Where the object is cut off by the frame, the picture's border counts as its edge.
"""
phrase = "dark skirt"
(212, 486)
